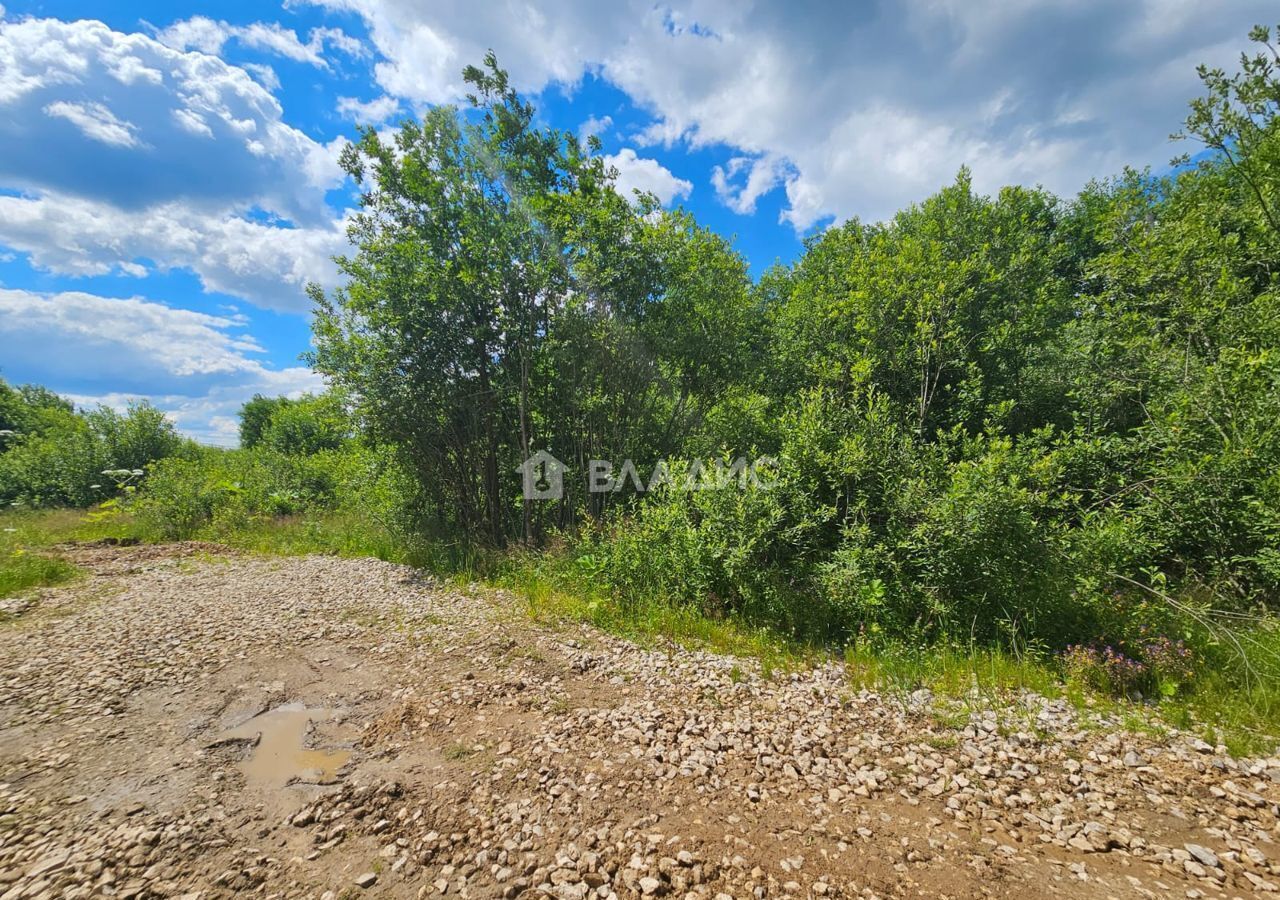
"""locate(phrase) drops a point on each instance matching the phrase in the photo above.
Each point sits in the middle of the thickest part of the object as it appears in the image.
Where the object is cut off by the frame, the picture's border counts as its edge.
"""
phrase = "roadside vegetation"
(1017, 440)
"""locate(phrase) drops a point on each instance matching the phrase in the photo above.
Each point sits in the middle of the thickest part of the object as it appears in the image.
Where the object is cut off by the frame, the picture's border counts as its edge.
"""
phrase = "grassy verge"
(1236, 702)
(28, 558)
(555, 589)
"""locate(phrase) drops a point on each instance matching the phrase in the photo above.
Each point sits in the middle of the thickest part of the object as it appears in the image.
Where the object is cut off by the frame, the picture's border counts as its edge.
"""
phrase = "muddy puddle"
(280, 755)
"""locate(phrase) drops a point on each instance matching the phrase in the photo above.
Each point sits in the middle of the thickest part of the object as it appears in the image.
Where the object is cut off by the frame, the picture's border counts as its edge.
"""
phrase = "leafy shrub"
(55, 456)
(306, 426)
(218, 492)
(1172, 663)
(180, 497)
(1156, 666)
(985, 551)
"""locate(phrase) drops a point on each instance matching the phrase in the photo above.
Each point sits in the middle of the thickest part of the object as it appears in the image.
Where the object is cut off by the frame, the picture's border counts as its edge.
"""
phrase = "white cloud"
(177, 342)
(372, 112)
(197, 33)
(154, 124)
(857, 108)
(336, 37)
(209, 36)
(594, 126)
(180, 161)
(193, 122)
(425, 46)
(97, 122)
(640, 174)
(264, 75)
(265, 264)
(197, 367)
(762, 176)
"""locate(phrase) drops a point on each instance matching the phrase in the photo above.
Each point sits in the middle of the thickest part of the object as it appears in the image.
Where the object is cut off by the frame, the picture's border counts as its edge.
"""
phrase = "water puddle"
(280, 756)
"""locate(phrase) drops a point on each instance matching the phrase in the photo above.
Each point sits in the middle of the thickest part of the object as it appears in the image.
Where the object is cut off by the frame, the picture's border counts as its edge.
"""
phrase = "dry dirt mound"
(195, 723)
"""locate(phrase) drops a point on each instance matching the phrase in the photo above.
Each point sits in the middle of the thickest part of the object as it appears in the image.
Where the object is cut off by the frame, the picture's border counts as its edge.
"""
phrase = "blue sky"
(168, 175)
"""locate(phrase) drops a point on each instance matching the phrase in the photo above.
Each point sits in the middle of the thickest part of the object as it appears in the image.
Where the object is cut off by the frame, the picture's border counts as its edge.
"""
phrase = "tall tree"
(504, 297)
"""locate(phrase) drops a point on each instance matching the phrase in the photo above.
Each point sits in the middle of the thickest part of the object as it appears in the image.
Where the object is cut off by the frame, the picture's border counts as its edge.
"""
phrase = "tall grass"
(555, 587)
(27, 557)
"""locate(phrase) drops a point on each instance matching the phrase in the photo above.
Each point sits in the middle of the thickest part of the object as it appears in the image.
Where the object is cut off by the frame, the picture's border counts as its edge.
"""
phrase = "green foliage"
(59, 457)
(1239, 118)
(256, 415)
(307, 426)
(23, 566)
(304, 425)
(502, 298)
(943, 309)
(1013, 421)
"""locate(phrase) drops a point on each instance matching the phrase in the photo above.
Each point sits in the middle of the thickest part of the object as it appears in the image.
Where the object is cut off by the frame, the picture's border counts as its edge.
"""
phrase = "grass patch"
(459, 751)
(949, 670)
(27, 559)
(1236, 701)
(554, 590)
(21, 570)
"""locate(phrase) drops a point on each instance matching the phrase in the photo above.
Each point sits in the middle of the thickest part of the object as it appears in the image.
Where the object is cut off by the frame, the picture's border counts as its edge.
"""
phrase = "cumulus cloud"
(594, 126)
(179, 161)
(264, 75)
(151, 124)
(197, 367)
(854, 108)
(265, 264)
(370, 112)
(640, 174)
(743, 181)
(424, 47)
(209, 36)
(96, 122)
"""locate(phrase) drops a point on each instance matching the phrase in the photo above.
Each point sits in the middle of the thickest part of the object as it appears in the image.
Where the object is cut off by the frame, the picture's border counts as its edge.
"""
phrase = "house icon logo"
(543, 477)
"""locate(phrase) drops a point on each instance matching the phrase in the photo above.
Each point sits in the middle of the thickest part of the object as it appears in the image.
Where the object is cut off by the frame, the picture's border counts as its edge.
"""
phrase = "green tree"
(256, 415)
(1237, 120)
(503, 297)
(307, 425)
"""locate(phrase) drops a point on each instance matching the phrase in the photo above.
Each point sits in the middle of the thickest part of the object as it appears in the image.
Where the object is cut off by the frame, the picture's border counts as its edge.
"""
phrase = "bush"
(216, 492)
(58, 457)
(180, 497)
(1155, 666)
(985, 554)
(306, 426)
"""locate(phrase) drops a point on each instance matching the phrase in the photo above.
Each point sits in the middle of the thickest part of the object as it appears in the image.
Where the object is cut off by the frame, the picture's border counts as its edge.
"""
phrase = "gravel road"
(187, 722)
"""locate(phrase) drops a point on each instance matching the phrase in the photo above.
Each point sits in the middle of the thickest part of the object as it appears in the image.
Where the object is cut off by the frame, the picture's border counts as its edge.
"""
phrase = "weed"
(459, 751)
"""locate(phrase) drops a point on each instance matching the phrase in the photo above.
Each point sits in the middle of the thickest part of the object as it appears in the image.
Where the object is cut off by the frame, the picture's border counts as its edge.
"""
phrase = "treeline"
(1017, 419)
(53, 455)
(298, 456)
(1012, 417)
(503, 298)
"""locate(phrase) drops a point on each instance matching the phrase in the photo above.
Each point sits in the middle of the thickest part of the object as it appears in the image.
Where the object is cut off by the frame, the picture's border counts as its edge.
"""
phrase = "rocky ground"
(445, 745)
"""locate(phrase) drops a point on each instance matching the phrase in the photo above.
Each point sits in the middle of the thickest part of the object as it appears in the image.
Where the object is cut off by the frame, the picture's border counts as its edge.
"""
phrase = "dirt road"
(187, 722)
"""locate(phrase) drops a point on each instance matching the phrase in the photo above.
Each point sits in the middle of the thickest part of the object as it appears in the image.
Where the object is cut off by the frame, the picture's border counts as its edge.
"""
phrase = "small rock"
(1203, 855)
